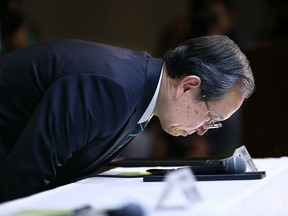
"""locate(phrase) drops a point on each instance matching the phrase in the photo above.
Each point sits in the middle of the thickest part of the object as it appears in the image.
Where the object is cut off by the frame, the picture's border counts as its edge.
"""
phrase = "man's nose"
(201, 131)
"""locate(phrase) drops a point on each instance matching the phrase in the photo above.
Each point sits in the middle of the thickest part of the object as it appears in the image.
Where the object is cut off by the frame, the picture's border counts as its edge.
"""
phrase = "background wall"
(129, 23)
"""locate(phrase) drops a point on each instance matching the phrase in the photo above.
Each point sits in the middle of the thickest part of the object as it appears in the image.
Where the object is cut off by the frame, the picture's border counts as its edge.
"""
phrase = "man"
(67, 107)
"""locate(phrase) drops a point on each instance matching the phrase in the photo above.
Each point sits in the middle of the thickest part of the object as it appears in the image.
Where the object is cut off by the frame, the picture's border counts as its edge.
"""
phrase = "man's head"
(206, 79)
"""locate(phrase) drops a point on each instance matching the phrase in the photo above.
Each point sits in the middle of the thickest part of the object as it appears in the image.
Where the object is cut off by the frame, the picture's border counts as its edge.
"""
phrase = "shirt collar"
(148, 113)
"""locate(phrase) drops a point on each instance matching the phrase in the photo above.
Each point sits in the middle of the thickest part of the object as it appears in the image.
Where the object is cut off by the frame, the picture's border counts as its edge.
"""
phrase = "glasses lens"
(213, 126)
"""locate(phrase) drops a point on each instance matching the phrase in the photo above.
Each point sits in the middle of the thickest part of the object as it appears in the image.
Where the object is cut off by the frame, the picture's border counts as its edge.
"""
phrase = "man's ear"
(188, 83)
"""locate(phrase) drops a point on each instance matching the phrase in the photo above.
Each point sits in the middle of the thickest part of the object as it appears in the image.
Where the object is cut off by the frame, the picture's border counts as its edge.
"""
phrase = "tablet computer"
(213, 177)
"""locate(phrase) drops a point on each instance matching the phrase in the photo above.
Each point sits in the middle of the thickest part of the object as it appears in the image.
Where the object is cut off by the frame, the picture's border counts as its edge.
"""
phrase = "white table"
(268, 196)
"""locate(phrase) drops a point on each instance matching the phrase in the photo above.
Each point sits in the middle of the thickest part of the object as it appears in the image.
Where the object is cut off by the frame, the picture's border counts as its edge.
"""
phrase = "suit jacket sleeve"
(74, 110)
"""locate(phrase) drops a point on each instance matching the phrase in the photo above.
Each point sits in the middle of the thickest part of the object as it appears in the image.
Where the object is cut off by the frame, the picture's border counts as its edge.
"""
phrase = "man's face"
(186, 115)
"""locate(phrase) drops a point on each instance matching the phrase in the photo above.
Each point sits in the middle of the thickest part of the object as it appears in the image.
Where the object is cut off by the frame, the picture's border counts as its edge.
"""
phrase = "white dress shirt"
(149, 111)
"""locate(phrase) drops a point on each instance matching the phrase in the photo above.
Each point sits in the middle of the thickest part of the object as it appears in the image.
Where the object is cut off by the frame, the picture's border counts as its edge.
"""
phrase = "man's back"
(63, 105)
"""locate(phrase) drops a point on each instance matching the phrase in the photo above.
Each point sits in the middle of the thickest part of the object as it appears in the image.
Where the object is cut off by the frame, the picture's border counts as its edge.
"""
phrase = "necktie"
(139, 127)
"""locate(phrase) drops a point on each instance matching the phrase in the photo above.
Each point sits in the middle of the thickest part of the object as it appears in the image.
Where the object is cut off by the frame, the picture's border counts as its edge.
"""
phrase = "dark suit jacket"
(65, 108)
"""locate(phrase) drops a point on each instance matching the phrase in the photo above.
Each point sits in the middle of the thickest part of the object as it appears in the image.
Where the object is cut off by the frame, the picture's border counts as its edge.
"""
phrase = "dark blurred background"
(259, 27)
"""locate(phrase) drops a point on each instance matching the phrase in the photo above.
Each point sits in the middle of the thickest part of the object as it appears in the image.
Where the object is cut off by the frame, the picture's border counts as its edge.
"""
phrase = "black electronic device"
(212, 177)
(204, 169)
(231, 165)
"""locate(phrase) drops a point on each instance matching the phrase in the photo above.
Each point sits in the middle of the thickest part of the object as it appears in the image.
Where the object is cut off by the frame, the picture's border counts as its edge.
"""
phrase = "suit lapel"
(152, 77)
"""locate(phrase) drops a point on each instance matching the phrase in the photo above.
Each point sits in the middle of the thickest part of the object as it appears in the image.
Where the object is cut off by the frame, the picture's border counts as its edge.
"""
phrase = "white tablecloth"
(268, 196)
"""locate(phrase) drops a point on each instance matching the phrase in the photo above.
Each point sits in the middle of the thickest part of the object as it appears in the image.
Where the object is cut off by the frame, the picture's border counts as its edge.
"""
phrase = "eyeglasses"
(212, 124)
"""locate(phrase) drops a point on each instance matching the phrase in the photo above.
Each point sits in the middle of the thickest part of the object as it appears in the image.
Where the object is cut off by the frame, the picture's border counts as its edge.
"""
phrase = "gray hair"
(217, 61)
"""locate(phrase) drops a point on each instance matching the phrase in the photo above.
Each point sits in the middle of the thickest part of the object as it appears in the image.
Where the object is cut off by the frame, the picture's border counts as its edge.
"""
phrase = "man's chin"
(178, 133)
